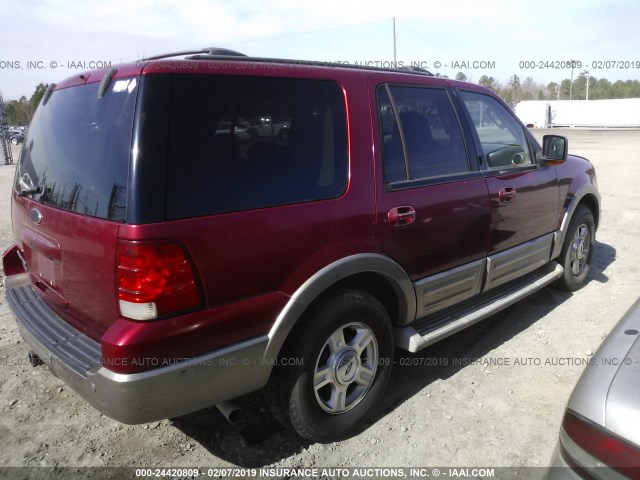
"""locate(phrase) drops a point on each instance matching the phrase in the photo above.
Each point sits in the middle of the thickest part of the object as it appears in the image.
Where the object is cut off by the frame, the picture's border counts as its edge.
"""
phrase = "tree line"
(20, 112)
(516, 90)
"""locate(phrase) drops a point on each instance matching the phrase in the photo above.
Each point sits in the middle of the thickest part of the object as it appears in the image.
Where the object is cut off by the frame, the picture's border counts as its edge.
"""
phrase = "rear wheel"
(334, 368)
(577, 250)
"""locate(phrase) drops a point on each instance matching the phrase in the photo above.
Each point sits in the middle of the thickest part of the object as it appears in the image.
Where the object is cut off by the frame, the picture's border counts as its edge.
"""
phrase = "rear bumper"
(163, 392)
(559, 469)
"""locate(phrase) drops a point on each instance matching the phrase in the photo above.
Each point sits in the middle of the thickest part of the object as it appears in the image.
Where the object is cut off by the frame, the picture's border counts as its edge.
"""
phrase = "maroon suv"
(188, 231)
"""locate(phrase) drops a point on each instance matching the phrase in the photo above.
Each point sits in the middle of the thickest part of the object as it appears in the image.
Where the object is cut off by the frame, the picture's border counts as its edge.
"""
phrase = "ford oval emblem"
(36, 216)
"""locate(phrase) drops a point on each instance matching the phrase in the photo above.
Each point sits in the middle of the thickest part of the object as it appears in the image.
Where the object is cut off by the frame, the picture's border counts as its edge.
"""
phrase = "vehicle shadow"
(604, 255)
(260, 440)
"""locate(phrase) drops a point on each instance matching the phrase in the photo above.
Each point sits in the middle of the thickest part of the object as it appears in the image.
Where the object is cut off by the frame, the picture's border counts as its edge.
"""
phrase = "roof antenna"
(395, 64)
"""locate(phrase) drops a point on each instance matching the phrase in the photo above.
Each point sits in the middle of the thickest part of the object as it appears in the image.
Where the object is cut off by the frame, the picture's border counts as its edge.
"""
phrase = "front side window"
(503, 141)
(242, 143)
(421, 135)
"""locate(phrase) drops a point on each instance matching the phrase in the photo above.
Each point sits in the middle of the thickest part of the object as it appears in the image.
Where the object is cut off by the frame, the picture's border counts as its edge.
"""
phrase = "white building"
(623, 112)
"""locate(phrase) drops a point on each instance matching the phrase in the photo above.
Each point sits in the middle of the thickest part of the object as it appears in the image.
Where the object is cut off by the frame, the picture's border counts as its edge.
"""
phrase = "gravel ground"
(490, 396)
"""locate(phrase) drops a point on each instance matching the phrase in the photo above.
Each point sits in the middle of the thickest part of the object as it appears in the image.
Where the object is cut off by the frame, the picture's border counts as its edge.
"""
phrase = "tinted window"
(78, 150)
(502, 138)
(431, 135)
(239, 143)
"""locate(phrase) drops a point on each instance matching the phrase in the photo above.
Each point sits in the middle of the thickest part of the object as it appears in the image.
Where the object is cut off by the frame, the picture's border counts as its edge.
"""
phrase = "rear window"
(78, 148)
(240, 143)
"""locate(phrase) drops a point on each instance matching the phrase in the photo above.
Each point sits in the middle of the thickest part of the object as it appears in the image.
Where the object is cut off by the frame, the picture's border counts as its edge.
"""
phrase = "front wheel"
(335, 368)
(577, 250)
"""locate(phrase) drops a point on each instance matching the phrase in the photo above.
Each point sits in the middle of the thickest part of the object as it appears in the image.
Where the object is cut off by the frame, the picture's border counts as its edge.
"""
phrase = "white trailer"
(624, 112)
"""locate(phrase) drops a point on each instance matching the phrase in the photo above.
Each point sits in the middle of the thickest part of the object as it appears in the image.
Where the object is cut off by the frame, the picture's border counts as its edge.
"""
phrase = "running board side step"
(425, 332)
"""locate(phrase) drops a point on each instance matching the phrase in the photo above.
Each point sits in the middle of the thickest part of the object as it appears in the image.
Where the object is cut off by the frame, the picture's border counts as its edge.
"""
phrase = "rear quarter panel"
(252, 253)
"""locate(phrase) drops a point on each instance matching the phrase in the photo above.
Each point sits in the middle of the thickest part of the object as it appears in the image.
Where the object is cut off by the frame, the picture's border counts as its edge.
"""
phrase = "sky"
(49, 40)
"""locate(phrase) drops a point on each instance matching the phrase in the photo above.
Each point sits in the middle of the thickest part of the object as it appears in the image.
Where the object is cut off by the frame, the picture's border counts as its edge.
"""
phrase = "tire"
(14, 141)
(347, 343)
(577, 250)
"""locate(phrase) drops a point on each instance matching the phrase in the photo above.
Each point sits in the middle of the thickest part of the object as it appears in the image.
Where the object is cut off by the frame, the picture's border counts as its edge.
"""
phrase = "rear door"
(69, 199)
(432, 204)
(524, 193)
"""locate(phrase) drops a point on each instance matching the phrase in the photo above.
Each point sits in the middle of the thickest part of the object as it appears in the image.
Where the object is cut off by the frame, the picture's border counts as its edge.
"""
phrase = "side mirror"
(554, 149)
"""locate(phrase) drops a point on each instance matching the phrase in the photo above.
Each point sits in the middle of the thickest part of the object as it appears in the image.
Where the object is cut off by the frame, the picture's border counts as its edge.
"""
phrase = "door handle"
(507, 194)
(399, 216)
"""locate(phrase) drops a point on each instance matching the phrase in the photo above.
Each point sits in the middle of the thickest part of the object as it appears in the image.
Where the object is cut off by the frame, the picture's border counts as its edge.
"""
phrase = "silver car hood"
(608, 392)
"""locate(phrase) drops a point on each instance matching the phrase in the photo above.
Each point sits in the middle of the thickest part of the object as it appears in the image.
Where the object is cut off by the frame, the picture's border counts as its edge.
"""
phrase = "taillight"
(606, 447)
(154, 280)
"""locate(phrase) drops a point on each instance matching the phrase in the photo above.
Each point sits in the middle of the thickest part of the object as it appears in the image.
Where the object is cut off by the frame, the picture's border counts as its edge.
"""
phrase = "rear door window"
(242, 143)
(420, 133)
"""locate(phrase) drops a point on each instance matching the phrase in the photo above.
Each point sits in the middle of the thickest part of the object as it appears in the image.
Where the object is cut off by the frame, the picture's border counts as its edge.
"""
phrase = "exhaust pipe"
(232, 412)
(34, 359)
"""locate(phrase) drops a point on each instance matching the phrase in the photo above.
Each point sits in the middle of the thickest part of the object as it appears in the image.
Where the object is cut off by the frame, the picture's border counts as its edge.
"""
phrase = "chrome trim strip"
(557, 240)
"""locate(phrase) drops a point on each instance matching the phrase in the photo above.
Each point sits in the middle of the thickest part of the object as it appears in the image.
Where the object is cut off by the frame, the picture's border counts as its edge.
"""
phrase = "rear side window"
(241, 143)
(420, 133)
(78, 148)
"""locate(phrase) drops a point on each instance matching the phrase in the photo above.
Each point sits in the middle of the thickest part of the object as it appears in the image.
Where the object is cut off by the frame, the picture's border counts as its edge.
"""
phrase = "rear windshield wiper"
(29, 191)
(26, 186)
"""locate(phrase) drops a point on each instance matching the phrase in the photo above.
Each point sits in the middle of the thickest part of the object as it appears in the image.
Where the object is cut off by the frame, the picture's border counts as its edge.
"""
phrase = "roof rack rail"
(209, 51)
(215, 53)
(415, 69)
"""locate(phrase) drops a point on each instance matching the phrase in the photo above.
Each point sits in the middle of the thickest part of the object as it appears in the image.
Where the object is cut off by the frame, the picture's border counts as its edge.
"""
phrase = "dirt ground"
(498, 401)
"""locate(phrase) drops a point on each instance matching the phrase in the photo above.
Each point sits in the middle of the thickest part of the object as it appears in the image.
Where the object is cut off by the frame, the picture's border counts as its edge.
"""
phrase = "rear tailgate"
(71, 259)
(69, 199)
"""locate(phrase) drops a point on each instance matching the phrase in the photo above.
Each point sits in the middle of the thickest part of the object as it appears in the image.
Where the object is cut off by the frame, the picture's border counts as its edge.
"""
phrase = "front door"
(523, 193)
